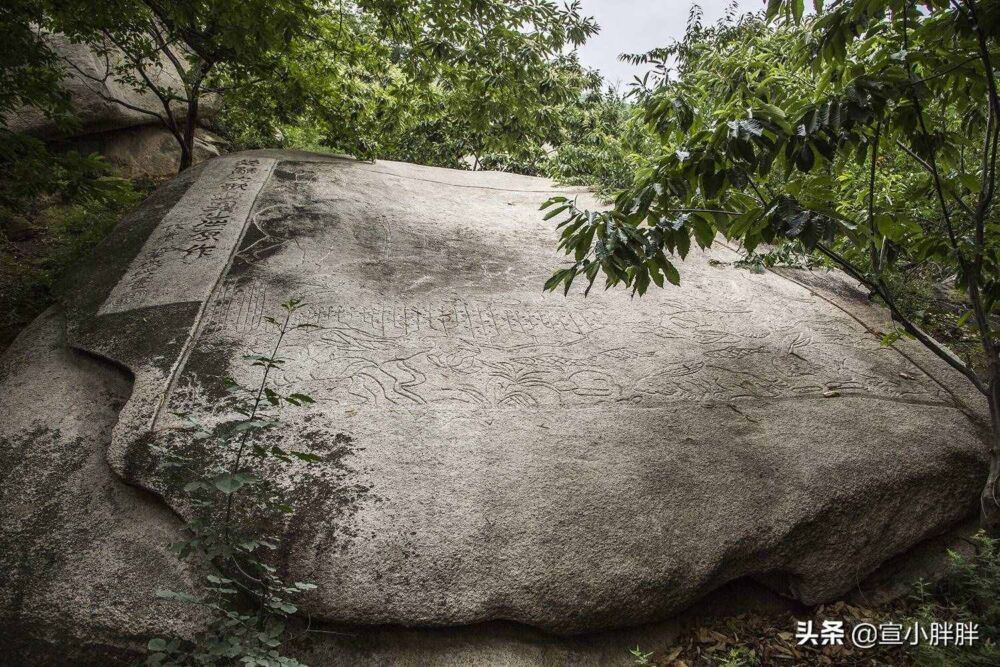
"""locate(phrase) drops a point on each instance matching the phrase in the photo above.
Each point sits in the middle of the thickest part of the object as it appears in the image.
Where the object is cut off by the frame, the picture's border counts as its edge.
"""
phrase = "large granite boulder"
(115, 118)
(489, 453)
(147, 150)
(92, 89)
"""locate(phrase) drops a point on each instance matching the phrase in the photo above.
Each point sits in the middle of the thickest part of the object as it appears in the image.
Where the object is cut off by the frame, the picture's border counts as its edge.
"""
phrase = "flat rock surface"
(490, 452)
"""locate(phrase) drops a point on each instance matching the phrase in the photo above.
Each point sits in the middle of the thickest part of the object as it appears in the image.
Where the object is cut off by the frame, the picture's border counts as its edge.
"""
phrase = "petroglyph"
(485, 446)
(536, 352)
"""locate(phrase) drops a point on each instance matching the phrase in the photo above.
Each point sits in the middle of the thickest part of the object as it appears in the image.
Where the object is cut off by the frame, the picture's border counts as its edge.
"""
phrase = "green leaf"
(165, 594)
(798, 9)
(298, 399)
(889, 228)
(683, 243)
(231, 483)
(271, 396)
(556, 211)
(805, 159)
(277, 452)
(971, 183)
(655, 273)
(703, 232)
(569, 281)
(557, 278)
(671, 273)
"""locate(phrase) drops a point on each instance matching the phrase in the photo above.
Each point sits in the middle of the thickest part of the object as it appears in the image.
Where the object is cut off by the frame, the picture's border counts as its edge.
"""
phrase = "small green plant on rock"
(236, 510)
(740, 656)
(970, 593)
(640, 657)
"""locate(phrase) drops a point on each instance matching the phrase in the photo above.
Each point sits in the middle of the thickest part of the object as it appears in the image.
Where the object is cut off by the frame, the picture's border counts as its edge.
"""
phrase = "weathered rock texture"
(125, 132)
(81, 553)
(492, 453)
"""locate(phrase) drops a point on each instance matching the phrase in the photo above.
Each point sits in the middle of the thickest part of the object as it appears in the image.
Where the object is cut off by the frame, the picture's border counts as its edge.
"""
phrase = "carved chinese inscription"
(187, 253)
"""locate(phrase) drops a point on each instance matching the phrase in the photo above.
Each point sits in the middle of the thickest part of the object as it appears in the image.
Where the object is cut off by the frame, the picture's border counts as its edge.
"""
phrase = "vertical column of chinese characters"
(206, 233)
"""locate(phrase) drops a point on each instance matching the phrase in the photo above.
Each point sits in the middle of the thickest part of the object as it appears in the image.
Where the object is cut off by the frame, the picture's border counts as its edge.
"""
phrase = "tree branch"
(932, 161)
(923, 163)
(988, 185)
(872, 247)
(701, 210)
(110, 98)
(164, 47)
(984, 54)
(897, 315)
(190, 38)
(164, 97)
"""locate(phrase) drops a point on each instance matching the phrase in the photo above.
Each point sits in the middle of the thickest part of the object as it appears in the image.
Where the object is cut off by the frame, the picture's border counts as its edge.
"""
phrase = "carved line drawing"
(491, 354)
(382, 361)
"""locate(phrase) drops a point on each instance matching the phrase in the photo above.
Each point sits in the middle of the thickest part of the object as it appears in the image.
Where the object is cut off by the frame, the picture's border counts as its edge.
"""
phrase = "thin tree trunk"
(186, 158)
(190, 123)
(990, 500)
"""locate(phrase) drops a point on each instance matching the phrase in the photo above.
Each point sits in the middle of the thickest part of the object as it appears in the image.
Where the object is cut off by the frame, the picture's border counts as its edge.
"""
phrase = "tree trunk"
(990, 499)
(190, 123)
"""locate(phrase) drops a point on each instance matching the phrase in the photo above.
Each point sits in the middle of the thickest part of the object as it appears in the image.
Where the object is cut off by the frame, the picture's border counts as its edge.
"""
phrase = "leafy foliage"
(428, 82)
(234, 504)
(641, 657)
(29, 70)
(54, 206)
(54, 209)
(967, 593)
(170, 49)
(602, 143)
(768, 132)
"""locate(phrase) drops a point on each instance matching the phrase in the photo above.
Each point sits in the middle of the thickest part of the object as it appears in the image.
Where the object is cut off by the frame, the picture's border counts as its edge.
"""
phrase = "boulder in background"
(128, 134)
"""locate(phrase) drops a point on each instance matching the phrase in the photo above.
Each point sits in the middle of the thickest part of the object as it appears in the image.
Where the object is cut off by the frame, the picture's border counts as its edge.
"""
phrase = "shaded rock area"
(81, 553)
(125, 132)
(145, 150)
(506, 476)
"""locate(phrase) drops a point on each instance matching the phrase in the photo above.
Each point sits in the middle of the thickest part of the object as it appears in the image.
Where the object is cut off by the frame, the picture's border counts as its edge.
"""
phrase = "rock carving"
(492, 453)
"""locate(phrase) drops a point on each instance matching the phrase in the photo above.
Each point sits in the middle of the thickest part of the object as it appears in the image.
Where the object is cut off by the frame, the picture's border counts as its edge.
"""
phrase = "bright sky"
(635, 26)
